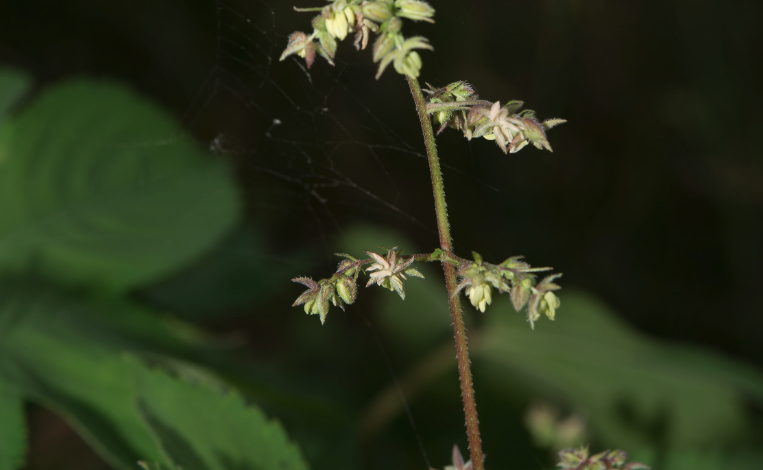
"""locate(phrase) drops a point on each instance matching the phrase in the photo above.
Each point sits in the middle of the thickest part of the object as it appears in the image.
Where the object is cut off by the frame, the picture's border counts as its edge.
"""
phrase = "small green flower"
(579, 459)
(479, 278)
(543, 300)
(406, 60)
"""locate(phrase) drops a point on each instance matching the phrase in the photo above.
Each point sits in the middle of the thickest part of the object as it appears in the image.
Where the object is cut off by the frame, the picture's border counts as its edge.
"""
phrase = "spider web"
(308, 144)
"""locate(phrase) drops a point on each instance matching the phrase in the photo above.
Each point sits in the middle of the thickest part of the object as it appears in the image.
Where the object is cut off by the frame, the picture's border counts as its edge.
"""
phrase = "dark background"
(652, 199)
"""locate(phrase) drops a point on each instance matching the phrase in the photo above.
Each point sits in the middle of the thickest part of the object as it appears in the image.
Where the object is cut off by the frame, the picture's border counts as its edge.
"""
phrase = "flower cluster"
(458, 106)
(383, 17)
(391, 271)
(341, 288)
(579, 459)
(513, 276)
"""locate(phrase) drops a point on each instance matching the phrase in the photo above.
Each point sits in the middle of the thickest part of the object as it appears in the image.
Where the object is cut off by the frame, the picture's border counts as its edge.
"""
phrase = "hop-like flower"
(479, 278)
(406, 60)
(339, 19)
(340, 289)
(510, 130)
(543, 300)
(499, 125)
(379, 11)
(301, 45)
(315, 298)
(391, 271)
(415, 10)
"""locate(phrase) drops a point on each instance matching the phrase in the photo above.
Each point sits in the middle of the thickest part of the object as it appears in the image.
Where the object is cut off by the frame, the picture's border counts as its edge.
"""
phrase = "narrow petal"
(494, 110)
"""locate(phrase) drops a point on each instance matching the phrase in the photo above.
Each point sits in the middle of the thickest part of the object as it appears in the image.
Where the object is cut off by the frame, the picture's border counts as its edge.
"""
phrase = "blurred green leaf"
(203, 429)
(12, 428)
(100, 188)
(712, 460)
(58, 358)
(634, 390)
(152, 466)
(13, 85)
(239, 272)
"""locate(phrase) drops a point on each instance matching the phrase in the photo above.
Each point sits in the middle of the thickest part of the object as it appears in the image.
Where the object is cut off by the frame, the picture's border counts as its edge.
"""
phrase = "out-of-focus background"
(651, 205)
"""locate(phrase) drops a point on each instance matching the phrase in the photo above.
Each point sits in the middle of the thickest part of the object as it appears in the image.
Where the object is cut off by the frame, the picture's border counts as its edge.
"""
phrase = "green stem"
(459, 330)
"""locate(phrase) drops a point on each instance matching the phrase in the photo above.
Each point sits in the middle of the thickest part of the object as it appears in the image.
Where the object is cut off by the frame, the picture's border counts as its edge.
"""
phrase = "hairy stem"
(459, 330)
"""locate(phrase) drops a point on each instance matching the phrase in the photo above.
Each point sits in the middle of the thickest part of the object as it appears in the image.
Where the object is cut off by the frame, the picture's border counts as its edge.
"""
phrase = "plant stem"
(459, 330)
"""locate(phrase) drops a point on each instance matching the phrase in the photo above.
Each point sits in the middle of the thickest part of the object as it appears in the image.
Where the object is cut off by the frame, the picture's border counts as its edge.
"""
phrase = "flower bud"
(520, 293)
(337, 25)
(535, 133)
(311, 307)
(415, 10)
(297, 43)
(319, 23)
(548, 304)
(383, 45)
(347, 290)
(377, 11)
(394, 25)
(350, 15)
(410, 65)
(328, 43)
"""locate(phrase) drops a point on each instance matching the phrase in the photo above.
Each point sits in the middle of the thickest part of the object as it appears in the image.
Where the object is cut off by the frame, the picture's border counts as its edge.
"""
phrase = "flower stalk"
(454, 301)
(456, 106)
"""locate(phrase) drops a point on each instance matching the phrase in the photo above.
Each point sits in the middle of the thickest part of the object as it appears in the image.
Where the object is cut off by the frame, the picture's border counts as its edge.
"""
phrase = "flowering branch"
(382, 17)
(458, 106)
(476, 278)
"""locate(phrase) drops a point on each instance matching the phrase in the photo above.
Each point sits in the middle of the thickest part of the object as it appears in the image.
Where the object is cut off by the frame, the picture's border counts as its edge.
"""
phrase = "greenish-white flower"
(390, 271)
(480, 294)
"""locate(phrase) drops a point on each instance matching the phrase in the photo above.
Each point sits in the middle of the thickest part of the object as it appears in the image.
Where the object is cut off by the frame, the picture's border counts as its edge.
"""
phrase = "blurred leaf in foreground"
(636, 392)
(57, 359)
(13, 85)
(100, 188)
(12, 428)
(203, 429)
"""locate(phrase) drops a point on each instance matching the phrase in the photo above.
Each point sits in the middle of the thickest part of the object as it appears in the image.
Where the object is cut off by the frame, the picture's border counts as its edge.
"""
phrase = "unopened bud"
(311, 307)
(394, 25)
(297, 42)
(347, 290)
(350, 15)
(383, 46)
(415, 10)
(319, 23)
(377, 11)
(549, 303)
(410, 65)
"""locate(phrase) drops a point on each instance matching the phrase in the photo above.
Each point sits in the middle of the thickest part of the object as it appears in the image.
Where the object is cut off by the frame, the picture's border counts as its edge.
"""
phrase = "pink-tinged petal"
(309, 54)
(380, 274)
(458, 460)
(500, 139)
(379, 259)
(494, 110)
